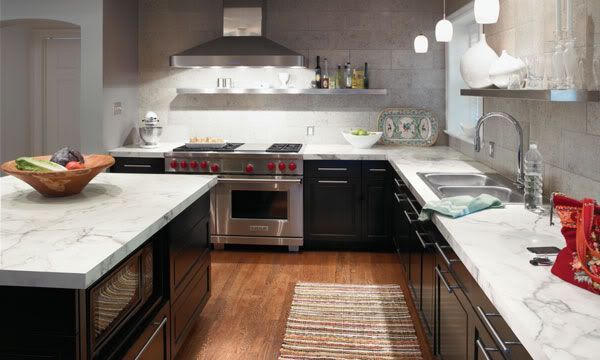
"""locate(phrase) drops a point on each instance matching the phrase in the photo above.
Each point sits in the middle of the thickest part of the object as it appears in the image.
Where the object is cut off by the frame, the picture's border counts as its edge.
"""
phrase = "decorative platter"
(408, 126)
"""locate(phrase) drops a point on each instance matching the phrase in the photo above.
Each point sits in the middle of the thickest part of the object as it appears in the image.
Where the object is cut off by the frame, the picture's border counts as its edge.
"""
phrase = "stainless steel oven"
(257, 210)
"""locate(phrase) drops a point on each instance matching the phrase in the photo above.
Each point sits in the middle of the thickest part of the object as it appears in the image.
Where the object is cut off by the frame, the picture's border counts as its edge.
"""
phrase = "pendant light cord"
(444, 9)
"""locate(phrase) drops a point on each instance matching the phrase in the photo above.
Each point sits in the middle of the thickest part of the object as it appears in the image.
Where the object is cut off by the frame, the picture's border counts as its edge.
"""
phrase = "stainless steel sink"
(473, 184)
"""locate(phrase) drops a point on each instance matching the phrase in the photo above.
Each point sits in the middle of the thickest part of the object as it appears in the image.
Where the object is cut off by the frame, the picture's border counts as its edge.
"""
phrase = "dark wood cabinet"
(332, 203)
(138, 165)
(347, 204)
(377, 203)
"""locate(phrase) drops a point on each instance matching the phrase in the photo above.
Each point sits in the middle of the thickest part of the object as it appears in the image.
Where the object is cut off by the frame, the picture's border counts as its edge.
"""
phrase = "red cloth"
(579, 267)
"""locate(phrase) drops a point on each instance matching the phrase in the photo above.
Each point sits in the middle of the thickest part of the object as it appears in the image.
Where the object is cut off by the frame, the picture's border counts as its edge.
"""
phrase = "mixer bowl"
(150, 135)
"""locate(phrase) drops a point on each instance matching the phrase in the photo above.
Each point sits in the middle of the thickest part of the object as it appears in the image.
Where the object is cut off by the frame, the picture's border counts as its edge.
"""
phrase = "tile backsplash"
(378, 32)
(567, 134)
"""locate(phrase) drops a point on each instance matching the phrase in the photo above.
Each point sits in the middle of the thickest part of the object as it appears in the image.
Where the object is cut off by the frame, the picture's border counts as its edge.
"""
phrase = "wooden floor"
(252, 291)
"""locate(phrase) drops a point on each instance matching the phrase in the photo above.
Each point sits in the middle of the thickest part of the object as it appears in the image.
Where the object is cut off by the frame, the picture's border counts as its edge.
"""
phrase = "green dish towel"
(458, 206)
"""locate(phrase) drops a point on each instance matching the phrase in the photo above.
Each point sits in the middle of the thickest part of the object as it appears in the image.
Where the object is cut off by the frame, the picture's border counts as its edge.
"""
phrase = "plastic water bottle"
(534, 170)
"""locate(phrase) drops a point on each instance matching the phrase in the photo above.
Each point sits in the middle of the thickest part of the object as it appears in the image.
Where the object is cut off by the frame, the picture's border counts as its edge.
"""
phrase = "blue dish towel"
(459, 206)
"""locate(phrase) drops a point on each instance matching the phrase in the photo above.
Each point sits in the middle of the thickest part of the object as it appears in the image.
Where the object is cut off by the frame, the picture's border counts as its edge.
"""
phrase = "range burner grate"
(284, 148)
(229, 147)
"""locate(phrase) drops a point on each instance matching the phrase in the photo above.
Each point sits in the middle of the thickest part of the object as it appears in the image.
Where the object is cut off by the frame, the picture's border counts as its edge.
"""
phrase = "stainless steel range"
(258, 199)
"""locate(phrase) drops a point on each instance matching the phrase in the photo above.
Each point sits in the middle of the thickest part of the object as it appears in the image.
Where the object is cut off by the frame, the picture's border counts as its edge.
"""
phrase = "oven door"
(257, 207)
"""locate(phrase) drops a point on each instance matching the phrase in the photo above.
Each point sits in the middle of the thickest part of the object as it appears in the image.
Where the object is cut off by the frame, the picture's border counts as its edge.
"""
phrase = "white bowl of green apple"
(361, 138)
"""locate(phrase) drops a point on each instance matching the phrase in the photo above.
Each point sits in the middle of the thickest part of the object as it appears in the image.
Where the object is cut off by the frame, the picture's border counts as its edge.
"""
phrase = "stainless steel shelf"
(235, 91)
(541, 95)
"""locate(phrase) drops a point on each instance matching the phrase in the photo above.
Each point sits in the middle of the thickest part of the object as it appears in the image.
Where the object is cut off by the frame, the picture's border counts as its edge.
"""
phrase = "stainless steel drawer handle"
(444, 256)
(409, 218)
(137, 166)
(423, 243)
(160, 325)
(333, 182)
(399, 184)
(410, 202)
(377, 170)
(449, 287)
(488, 324)
(400, 197)
(484, 350)
(332, 169)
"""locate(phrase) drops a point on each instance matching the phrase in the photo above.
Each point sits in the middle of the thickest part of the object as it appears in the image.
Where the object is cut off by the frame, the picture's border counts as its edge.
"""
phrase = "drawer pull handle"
(399, 184)
(377, 170)
(423, 243)
(449, 287)
(410, 220)
(400, 197)
(160, 325)
(484, 350)
(332, 169)
(488, 324)
(333, 182)
(410, 202)
(137, 165)
(444, 256)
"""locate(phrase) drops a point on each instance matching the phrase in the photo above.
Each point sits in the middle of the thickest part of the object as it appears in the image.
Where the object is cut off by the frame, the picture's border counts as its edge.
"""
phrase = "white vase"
(504, 67)
(475, 64)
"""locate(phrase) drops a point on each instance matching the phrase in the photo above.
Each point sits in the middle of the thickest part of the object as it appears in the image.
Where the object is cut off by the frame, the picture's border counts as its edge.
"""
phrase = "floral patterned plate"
(407, 126)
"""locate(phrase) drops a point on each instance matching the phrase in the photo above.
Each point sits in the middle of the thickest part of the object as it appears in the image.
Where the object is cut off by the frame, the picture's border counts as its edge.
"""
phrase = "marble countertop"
(551, 318)
(138, 152)
(71, 242)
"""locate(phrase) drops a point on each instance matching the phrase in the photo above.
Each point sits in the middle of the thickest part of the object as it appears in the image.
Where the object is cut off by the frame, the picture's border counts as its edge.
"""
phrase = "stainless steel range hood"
(242, 43)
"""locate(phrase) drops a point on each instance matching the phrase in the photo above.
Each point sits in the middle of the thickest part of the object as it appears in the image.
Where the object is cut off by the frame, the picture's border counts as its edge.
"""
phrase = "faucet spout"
(518, 128)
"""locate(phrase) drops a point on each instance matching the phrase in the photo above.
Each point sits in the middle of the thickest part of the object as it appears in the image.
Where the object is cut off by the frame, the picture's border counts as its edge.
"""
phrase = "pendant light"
(421, 44)
(444, 29)
(487, 11)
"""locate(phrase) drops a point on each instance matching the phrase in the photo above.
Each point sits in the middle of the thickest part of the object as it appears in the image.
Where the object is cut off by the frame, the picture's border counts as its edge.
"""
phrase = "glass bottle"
(348, 76)
(325, 76)
(366, 77)
(318, 72)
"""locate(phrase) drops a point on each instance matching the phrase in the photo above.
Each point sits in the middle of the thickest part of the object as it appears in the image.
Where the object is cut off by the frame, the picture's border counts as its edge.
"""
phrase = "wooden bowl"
(61, 183)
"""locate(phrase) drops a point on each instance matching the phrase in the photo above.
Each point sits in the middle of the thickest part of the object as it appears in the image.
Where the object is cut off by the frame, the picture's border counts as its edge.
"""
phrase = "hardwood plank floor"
(252, 291)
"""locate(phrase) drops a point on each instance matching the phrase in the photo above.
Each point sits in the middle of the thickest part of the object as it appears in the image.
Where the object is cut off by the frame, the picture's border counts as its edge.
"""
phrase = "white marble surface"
(140, 152)
(71, 242)
(553, 319)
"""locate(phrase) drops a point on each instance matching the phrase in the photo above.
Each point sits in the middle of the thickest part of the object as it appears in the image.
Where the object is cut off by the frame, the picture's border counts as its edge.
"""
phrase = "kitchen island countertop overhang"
(72, 242)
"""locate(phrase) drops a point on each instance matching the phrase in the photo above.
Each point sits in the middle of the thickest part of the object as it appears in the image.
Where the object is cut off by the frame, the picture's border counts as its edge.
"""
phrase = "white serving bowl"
(362, 141)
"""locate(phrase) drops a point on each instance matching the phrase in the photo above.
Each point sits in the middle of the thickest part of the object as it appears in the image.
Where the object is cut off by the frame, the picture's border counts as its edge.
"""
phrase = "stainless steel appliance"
(151, 131)
(259, 197)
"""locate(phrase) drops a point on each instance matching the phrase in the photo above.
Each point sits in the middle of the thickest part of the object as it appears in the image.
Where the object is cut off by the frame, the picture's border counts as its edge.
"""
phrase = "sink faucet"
(520, 173)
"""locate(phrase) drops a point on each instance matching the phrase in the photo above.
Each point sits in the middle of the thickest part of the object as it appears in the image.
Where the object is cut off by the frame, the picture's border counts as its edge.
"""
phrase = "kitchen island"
(106, 271)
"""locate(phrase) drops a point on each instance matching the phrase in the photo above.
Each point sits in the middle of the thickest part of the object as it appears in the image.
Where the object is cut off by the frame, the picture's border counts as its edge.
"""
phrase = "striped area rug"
(333, 321)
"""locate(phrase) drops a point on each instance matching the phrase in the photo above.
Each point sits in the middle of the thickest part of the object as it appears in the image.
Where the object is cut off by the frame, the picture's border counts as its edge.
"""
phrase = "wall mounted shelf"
(236, 91)
(541, 95)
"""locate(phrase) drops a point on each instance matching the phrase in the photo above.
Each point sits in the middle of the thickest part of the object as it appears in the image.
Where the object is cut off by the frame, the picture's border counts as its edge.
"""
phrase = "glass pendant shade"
(487, 11)
(444, 31)
(421, 44)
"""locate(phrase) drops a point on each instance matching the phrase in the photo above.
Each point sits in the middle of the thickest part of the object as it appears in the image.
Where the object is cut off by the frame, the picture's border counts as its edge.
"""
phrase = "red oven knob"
(174, 164)
(193, 164)
(292, 166)
(271, 166)
(281, 166)
(203, 164)
(214, 167)
(183, 164)
(249, 168)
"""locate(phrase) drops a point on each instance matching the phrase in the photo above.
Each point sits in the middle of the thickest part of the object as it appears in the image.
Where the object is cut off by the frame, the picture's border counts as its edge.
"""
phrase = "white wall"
(14, 93)
(88, 15)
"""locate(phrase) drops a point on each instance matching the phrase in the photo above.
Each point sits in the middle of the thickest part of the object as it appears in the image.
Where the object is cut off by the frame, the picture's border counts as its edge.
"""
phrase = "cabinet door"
(154, 342)
(377, 204)
(332, 210)
(452, 320)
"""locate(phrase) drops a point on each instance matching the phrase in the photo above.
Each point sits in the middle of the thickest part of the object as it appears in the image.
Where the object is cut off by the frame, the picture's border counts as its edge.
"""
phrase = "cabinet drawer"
(188, 219)
(376, 170)
(138, 165)
(154, 342)
(332, 169)
(186, 308)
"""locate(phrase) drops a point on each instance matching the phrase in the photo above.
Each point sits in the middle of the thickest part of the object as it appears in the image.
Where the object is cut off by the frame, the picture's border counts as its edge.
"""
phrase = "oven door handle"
(261, 181)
